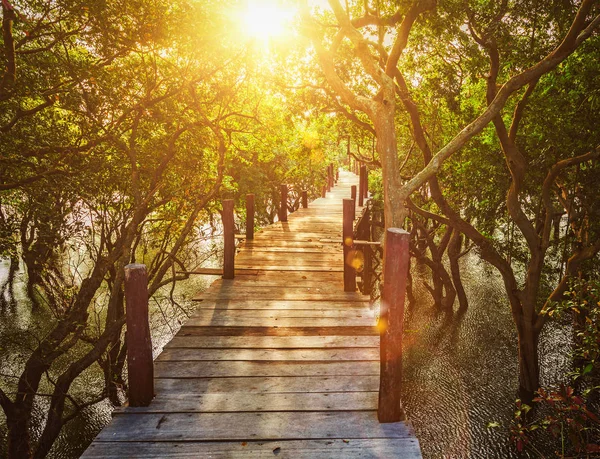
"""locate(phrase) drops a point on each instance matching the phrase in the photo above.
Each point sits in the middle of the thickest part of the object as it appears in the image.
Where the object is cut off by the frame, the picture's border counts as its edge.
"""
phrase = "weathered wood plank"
(166, 369)
(309, 355)
(232, 321)
(273, 342)
(250, 426)
(286, 313)
(214, 330)
(265, 384)
(236, 304)
(376, 448)
(238, 402)
(280, 294)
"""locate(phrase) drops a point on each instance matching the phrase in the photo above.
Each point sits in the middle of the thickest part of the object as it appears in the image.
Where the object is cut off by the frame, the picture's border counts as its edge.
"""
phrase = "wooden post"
(250, 216)
(328, 179)
(395, 271)
(353, 193)
(283, 209)
(361, 186)
(337, 174)
(366, 185)
(347, 235)
(367, 269)
(324, 191)
(140, 366)
(304, 199)
(228, 240)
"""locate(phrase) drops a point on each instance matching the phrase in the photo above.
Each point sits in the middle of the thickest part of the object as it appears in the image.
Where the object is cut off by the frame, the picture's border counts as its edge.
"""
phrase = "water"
(459, 374)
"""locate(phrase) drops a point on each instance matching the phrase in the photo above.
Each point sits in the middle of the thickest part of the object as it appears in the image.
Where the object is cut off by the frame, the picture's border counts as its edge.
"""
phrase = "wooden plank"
(233, 321)
(166, 369)
(265, 402)
(219, 271)
(266, 384)
(282, 281)
(286, 313)
(214, 330)
(292, 293)
(282, 266)
(250, 426)
(278, 294)
(237, 304)
(273, 342)
(288, 355)
(376, 448)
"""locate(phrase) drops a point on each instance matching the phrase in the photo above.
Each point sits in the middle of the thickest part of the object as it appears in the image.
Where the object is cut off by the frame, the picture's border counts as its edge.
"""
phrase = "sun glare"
(267, 20)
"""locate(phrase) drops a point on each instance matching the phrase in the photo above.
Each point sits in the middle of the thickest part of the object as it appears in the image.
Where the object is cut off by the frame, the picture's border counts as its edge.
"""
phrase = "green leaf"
(493, 425)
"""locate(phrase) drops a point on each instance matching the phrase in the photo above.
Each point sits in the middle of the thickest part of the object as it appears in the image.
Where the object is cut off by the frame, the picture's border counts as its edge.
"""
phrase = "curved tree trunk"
(454, 255)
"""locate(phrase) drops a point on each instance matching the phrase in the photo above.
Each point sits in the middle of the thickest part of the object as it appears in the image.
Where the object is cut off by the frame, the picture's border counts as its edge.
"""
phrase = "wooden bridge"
(278, 361)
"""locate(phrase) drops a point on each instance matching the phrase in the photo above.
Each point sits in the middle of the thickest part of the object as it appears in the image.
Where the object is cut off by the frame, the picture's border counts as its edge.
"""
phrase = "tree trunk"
(395, 211)
(529, 372)
(454, 254)
(19, 446)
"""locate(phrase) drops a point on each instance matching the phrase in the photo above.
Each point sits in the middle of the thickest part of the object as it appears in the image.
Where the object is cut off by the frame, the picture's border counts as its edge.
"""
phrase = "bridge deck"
(279, 361)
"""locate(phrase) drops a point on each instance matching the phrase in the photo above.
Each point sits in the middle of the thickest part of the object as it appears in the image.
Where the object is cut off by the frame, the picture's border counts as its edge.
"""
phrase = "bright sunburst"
(265, 20)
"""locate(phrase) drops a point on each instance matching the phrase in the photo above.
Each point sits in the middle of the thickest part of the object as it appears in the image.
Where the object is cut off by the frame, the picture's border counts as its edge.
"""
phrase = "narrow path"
(279, 361)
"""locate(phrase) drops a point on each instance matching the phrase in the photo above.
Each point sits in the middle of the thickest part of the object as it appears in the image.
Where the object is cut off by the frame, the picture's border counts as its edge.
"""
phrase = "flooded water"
(459, 374)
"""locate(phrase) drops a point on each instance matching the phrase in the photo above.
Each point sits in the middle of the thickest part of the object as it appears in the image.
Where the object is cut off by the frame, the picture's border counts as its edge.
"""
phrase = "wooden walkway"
(279, 362)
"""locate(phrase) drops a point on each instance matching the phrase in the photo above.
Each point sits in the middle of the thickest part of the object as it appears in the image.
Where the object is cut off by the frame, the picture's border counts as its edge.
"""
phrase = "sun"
(266, 20)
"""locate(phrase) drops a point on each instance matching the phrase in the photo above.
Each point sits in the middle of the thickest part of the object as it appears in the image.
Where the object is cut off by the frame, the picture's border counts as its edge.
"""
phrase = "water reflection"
(461, 372)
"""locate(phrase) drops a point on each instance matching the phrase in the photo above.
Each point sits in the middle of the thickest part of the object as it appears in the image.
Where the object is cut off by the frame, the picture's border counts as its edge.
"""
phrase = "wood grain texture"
(376, 448)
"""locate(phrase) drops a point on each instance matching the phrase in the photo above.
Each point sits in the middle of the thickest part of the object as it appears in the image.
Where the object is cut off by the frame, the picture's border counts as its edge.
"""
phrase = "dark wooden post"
(353, 193)
(140, 366)
(250, 216)
(324, 191)
(367, 269)
(328, 179)
(395, 271)
(361, 186)
(348, 241)
(366, 185)
(304, 199)
(228, 240)
(337, 174)
(332, 174)
(283, 208)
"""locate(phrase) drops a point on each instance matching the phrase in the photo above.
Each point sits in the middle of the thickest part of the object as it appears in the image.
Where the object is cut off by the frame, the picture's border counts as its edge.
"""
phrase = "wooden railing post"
(361, 186)
(228, 240)
(140, 366)
(328, 179)
(366, 184)
(324, 191)
(395, 270)
(304, 199)
(283, 209)
(353, 193)
(348, 240)
(337, 174)
(250, 216)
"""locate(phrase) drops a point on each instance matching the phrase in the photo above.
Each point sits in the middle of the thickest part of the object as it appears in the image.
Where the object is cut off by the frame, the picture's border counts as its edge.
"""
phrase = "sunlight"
(265, 20)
